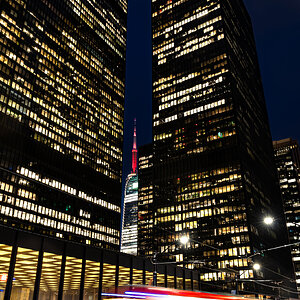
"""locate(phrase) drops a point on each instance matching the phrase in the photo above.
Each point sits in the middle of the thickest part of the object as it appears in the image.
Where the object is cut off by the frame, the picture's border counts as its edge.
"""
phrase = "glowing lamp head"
(184, 239)
(268, 220)
(256, 267)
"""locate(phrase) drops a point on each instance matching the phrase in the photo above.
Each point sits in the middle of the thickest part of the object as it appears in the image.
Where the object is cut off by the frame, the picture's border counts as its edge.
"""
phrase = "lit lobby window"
(72, 278)
(137, 277)
(91, 281)
(109, 273)
(124, 276)
(50, 276)
(24, 275)
(5, 252)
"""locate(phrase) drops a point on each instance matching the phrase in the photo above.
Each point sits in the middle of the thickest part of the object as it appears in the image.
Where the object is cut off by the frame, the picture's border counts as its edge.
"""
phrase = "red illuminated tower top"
(134, 150)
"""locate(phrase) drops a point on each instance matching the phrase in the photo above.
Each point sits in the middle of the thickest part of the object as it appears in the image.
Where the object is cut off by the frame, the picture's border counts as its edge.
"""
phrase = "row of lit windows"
(32, 218)
(57, 120)
(189, 46)
(188, 91)
(217, 134)
(215, 276)
(237, 251)
(23, 204)
(207, 192)
(193, 111)
(50, 60)
(182, 78)
(63, 187)
(162, 57)
(90, 19)
(198, 14)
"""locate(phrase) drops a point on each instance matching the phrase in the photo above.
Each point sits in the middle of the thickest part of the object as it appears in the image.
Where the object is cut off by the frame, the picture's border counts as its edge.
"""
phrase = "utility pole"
(237, 277)
(155, 269)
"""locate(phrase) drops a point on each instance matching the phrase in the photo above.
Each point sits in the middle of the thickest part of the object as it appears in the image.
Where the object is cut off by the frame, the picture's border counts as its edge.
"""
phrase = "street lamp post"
(256, 267)
(183, 240)
(269, 220)
(154, 261)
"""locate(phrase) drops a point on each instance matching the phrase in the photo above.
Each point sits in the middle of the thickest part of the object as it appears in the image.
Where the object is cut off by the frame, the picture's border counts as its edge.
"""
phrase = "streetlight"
(255, 266)
(183, 240)
(268, 220)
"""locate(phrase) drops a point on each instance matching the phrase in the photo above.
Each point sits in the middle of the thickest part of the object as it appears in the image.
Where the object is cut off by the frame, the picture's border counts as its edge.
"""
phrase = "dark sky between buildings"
(276, 26)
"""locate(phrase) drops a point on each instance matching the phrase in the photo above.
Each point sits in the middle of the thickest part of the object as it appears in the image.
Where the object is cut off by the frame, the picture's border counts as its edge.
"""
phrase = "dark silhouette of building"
(62, 76)
(214, 177)
(287, 157)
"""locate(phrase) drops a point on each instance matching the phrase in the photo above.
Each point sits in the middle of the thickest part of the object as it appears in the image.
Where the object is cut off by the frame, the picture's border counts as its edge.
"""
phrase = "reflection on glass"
(171, 283)
(24, 275)
(179, 281)
(188, 284)
(72, 278)
(161, 280)
(109, 275)
(5, 252)
(91, 281)
(149, 278)
(50, 276)
(124, 276)
(196, 285)
(137, 276)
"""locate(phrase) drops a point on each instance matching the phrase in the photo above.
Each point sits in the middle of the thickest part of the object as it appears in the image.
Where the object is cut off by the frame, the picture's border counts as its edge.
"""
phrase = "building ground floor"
(35, 267)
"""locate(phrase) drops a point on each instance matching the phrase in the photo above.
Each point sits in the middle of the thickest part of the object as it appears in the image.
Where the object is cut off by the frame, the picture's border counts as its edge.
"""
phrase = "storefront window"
(137, 277)
(50, 276)
(109, 275)
(24, 274)
(124, 276)
(5, 253)
(91, 281)
(72, 278)
(179, 283)
(196, 284)
(161, 280)
(188, 284)
(149, 278)
(171, 283)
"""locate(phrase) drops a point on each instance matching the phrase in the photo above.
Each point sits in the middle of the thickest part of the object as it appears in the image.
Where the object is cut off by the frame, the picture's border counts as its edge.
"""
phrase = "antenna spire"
(134, 149)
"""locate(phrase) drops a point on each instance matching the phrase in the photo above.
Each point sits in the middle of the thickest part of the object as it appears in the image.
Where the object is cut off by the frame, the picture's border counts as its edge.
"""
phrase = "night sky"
(277, 31)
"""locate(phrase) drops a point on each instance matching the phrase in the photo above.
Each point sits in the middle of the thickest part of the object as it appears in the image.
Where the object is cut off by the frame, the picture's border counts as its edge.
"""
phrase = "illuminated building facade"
(213, 173)
(62, 75)
(45, 268)
(145, 201)
(129, 238)
(130, 215)
(287, 157)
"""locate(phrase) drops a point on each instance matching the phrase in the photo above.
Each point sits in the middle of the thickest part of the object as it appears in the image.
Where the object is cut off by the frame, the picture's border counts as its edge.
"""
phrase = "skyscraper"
(213, 174)
(287, 157)
(145, 201)
(62, 76)
(129, 238)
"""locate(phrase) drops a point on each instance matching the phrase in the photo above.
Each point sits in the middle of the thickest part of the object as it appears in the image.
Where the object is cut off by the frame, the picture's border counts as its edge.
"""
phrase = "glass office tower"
(145, 201)
(213, 173)
(287, 157)
(62, 75)
(129, 238)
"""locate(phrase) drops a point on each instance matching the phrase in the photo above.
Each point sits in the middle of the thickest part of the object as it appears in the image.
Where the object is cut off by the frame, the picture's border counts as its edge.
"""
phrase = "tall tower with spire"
(134, 149)
(130, 205)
